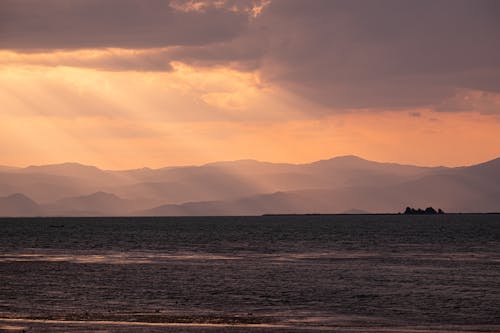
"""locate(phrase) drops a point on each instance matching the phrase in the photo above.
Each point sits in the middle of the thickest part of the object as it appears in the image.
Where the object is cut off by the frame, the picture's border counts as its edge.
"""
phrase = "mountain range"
(339, 185)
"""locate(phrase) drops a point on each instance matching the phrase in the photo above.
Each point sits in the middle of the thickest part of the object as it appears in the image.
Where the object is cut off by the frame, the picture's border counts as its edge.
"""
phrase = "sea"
(276, 273)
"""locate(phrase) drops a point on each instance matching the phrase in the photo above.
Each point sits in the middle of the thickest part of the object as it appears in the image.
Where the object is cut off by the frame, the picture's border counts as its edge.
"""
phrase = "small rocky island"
(419, 211)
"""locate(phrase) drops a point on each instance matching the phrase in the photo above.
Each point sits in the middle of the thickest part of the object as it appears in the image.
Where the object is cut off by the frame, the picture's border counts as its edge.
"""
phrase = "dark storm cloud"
(73, 24)
(339, 53)
(382, 53)
(369, 54)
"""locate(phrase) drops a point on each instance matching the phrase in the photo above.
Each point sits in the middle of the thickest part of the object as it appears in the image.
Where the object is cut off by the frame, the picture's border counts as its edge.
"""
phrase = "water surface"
(377, 273)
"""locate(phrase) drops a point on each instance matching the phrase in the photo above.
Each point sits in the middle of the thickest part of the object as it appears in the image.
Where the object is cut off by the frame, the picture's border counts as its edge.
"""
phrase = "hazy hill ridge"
(248, 187)
(19, 205)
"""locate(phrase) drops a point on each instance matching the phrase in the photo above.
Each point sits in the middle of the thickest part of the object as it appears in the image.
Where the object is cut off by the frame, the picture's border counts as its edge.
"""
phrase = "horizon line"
(248, 160)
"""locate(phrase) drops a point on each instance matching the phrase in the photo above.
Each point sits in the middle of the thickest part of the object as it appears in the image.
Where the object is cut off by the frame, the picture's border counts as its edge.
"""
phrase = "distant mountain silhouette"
(229, 180)
(275, 203)
(65, 169)
(43, 188)
(249, 187)
(6, 168)
(18, 205)
(95, 204)
(355, 211)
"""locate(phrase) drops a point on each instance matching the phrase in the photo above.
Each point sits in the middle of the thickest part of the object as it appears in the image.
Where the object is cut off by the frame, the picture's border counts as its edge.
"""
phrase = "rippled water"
(376, 273)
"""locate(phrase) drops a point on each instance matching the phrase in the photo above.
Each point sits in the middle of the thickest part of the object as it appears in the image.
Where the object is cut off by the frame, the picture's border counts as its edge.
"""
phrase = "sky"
(131, 83)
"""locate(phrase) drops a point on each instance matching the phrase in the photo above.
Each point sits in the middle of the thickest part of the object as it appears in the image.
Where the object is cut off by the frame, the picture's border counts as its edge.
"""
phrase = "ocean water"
(364, 273)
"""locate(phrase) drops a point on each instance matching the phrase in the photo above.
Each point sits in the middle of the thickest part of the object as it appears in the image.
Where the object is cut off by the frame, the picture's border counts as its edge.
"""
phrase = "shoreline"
(50, 325)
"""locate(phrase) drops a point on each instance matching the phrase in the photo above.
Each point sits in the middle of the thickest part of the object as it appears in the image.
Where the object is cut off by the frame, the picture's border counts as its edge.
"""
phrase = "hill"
(18, 205)
(249, 187)
(95, 204)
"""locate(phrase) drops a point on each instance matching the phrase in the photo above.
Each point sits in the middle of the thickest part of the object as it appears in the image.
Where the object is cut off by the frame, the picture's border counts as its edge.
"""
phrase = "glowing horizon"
(223, 90)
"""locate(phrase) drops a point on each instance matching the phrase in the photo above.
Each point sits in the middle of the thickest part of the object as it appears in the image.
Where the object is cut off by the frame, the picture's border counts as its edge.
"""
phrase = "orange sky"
(240, 97)
(191, 116)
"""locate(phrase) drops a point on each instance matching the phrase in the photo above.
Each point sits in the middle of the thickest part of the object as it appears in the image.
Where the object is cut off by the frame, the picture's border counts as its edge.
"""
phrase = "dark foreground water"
(379, 273)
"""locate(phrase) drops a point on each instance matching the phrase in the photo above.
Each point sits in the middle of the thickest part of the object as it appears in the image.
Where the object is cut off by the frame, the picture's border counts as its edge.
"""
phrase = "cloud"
(149, 60)
(356, 55)
(381, 54)
(251, 7)
(476, 101)
(185, 94)
(77, 24)
(340, 54)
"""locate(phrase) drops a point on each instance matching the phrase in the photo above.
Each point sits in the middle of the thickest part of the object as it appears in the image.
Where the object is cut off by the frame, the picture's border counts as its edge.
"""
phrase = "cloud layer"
(76, 24)
(341, 54)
